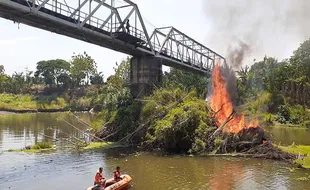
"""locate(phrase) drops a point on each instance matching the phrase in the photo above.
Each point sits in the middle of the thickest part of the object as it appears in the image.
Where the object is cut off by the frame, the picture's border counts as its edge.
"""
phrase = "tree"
(83, 66)
(64, 79)
(97, 78)
(51, 70)
(186, 81)
(121, 78)
(301, 61)
(16, 84)
(242, 83)
(2, 70)
(3, 79)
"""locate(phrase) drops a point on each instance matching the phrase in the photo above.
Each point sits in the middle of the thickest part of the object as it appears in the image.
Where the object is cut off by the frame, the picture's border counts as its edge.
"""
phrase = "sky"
(22, 46)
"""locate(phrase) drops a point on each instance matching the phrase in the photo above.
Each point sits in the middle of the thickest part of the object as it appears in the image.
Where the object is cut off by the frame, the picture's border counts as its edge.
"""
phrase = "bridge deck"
(57, 22)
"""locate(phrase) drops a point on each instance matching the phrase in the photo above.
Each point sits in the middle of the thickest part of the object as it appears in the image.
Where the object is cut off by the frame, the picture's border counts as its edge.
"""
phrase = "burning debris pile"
(236, 134)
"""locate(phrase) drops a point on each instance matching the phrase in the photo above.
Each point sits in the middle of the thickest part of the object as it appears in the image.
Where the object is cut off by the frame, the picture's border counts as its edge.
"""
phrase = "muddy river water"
(69, 169)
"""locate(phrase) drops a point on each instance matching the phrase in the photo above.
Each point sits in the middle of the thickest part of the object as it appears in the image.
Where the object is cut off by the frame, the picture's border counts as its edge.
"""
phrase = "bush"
(81, 103)
(276, 100)
(298, 114)
(17, 102)
(283, 115)
(42, 145)
(61, 102)
(292, 114)
(260, 104)
(268, 117)
(185, 125)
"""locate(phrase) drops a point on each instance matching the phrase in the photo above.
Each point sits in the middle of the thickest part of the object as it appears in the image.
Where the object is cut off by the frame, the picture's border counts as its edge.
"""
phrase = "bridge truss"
(104, 23)
(172, 43)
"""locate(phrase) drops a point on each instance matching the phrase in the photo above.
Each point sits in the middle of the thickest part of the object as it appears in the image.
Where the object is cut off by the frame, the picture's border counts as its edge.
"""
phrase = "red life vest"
(98, 177)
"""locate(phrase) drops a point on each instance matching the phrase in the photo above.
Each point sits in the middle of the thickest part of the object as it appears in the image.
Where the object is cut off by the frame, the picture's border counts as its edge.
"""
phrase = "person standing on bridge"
(128, 26)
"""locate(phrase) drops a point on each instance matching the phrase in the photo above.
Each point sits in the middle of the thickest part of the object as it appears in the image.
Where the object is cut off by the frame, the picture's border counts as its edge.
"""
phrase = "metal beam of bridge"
(103, 23)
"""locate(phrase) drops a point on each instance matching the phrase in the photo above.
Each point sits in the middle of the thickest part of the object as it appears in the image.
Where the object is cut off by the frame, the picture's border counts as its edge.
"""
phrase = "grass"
(39, 147)
(288, 125)
(299, 150)
(101, 145)
(17, 102)
(42, 145)
(30, 102)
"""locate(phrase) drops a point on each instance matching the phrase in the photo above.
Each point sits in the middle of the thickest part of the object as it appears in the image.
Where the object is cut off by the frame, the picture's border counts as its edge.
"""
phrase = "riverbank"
(13, 111)
(42, 147)
(28, 103)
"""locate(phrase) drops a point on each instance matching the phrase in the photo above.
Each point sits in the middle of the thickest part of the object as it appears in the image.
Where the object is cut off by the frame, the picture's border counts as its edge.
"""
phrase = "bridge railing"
(132, 31)
(79, 16)
(170, 42)
(75, 14)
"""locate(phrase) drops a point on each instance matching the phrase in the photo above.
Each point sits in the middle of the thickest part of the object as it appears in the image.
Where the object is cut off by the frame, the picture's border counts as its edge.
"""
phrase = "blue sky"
(24, 47)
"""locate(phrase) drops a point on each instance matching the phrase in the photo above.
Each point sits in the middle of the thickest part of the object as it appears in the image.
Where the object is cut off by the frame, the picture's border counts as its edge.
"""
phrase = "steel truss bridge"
(103, 22)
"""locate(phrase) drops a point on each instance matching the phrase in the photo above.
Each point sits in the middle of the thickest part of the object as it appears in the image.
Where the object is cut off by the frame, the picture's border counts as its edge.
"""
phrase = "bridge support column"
(145, 73)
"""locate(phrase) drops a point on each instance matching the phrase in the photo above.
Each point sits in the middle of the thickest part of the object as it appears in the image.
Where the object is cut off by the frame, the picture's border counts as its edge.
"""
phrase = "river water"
(68, 169)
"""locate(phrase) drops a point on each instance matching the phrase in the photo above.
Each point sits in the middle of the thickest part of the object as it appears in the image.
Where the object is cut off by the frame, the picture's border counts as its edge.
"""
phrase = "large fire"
(223, 107)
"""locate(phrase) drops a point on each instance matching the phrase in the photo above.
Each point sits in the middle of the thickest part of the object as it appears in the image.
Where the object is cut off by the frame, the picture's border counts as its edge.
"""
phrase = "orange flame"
(223, 107)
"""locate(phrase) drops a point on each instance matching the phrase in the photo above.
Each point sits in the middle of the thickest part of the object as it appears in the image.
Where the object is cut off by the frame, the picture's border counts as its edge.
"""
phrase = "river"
(68, 169)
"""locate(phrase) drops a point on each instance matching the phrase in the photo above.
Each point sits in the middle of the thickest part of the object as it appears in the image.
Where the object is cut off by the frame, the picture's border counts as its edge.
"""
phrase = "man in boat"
(117, 174)
(117, 177)
(99, 179)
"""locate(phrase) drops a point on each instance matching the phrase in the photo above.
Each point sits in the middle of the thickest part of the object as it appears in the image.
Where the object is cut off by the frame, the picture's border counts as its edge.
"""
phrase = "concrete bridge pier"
(145, 73)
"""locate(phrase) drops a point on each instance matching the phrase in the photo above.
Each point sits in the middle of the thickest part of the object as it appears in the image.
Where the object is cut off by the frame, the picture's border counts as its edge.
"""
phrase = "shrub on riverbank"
(169, 119)
(37, 148)
(28, 102)
(11, 102)
(17, 102)
(185, 124)
(42, 145)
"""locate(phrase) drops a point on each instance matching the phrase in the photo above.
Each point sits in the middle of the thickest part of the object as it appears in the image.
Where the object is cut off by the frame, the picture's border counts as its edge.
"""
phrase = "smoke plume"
(236, 54)
(250, 29)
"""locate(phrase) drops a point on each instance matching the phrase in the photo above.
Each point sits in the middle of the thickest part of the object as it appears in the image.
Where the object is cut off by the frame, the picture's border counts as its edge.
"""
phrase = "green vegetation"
(101, 145)
(278, 91)
(39, 147)
(42, 145)
(29, 102)
(171, 118)
(175, 116)
(55, 85)
(185, 125)
(302, 151)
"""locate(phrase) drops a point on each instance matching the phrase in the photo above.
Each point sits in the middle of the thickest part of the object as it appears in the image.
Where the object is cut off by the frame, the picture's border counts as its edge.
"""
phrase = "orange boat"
(112, 185)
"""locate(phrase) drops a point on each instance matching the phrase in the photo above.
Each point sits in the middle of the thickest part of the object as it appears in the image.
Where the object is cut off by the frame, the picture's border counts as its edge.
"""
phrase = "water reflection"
(20, 130)
(287, 136)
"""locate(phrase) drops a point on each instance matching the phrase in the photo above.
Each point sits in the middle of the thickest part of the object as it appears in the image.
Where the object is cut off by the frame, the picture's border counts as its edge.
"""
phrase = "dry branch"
(88, 134)
(229, 118)
(219, 109)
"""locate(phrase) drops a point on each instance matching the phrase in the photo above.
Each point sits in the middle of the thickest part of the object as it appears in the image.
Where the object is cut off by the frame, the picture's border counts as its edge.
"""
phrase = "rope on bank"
(85, 133)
